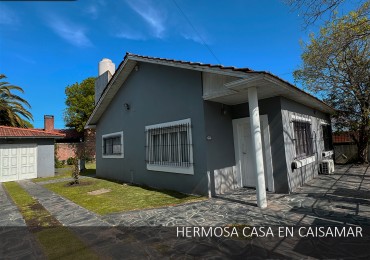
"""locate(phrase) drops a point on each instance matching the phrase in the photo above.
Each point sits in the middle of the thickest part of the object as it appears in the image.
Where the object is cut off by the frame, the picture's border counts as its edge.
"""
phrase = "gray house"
(206, 129)
(26, 153)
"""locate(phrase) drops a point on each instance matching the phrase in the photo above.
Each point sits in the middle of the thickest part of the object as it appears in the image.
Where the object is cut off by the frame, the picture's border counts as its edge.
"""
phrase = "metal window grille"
(169, 145)
(112, 145)
(327, 137)
(302, 139)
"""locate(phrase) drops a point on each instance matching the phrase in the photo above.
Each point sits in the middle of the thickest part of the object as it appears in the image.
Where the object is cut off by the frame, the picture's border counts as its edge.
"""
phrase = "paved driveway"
(339, 199)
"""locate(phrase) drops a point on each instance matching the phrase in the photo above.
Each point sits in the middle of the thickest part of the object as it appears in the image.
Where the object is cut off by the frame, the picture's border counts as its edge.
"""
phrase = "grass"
(66, 172)
(56, 241)
(122, 197)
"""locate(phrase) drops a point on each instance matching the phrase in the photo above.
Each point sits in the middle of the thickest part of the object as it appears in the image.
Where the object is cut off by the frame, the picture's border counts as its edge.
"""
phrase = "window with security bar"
(326, 137)
(169, 147)
(302, 139)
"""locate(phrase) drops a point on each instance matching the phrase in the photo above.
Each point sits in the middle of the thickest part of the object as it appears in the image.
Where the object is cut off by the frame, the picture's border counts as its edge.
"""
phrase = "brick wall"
(65, 150)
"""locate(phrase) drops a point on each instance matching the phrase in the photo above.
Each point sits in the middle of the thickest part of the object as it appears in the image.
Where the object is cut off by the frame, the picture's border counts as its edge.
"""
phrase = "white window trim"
(301, 118)
(116, 134)
(169, 168)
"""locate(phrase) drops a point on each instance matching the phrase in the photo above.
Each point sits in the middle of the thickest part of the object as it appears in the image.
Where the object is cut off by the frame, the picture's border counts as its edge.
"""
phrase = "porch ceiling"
(236, 92)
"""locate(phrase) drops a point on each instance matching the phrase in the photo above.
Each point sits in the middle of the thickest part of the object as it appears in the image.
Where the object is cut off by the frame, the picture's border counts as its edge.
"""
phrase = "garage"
(26, 153)
(18, 162)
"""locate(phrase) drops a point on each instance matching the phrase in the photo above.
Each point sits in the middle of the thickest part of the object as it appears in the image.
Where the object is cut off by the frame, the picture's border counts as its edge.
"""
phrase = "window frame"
(304, 139)
(111, 136)
(327, 141)
(177, 149)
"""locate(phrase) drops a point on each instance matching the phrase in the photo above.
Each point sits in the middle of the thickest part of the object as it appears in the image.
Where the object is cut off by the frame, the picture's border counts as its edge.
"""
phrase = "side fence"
(346, 153)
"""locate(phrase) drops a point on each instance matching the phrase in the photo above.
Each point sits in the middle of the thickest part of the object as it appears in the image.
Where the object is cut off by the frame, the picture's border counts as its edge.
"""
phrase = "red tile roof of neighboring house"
(70, 134)
(7, 131)
(343, 138)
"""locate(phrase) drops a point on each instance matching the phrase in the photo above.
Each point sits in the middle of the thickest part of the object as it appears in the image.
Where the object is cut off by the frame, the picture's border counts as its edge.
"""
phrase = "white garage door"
(18, 162)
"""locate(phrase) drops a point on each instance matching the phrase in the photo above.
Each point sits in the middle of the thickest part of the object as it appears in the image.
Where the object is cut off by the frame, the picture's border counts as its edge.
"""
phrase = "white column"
(257, 145)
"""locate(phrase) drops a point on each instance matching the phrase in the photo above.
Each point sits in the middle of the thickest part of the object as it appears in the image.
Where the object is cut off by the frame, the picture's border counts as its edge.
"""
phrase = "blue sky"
(46, 46)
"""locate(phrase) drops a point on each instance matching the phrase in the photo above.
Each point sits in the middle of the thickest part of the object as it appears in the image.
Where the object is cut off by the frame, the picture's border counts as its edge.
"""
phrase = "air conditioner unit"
(327, 166)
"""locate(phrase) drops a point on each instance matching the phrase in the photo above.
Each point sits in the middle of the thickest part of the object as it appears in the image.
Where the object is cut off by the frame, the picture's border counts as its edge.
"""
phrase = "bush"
(70, 160)
(59, 164)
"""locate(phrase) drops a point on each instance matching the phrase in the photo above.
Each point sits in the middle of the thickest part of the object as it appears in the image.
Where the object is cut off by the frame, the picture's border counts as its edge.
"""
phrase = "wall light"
(127, 106)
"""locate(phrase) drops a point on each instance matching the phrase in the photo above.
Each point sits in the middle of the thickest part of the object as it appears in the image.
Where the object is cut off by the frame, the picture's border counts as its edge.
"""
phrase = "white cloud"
(192, 37)
(92, 10)
(8, 16)
(130, 35)
(154, 17)
(74, 34)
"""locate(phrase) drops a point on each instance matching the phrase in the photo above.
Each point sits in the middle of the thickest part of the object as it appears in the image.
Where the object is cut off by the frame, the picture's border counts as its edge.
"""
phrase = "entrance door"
(245, 154)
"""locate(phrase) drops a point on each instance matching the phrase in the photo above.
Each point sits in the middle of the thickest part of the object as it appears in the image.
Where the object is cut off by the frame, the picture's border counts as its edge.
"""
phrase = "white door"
(245, 154)
(18, 162)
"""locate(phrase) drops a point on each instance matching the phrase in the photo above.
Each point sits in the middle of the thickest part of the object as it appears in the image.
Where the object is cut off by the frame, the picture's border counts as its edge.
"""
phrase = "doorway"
(245, 154)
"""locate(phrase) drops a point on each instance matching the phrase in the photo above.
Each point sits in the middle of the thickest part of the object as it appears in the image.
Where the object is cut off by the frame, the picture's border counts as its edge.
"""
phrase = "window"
(112, 145)
(302, 139)
(326, 137)
(169, 147)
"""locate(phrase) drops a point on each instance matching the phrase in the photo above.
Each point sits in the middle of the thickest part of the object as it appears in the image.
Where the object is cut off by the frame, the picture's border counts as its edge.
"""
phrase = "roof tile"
(7, 131)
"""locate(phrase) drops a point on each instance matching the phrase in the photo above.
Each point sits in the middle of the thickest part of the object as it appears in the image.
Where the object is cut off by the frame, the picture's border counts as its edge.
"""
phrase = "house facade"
(205, 129)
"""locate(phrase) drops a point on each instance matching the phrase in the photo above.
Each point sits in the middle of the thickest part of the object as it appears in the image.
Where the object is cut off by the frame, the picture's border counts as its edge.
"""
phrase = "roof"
(130, 60)
(15, 132)
(70, 135)
(344, 137)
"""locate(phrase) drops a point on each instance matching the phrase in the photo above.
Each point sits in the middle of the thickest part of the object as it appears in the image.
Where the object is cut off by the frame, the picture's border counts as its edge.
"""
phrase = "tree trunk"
(362, 150)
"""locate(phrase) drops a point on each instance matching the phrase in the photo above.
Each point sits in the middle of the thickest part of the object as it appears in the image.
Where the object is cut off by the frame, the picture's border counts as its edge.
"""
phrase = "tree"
(80, 103)
(313, 10)
(12, 106)
(336, 65)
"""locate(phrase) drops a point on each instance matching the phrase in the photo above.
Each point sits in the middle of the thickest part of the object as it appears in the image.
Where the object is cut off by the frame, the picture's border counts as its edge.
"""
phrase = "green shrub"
(70, 160)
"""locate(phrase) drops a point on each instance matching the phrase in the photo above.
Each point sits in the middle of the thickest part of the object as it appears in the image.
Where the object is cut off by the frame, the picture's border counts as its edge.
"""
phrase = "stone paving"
(342, 198)
(65, 211)
(15, 240)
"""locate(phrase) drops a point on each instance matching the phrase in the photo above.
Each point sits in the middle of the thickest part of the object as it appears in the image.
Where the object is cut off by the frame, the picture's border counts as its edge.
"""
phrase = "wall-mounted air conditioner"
(327, 166)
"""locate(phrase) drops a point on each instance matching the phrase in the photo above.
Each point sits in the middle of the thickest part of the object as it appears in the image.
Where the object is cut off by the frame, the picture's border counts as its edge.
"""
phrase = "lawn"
(56, 241)
(121, 197)
(66, 172)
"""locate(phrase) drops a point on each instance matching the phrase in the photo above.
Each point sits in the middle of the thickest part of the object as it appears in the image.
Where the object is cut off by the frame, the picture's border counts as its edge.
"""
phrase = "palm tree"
(12, 107)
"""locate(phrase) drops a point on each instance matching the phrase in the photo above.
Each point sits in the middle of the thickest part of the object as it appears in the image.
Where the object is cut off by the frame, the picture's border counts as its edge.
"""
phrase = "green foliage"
(70, 160)
(80, 103)
(13, 108)
(337, 66)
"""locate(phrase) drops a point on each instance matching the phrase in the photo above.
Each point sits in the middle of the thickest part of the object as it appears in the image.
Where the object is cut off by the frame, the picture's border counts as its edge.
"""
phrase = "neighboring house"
(187, 126)
(26, 153)
(66, 146)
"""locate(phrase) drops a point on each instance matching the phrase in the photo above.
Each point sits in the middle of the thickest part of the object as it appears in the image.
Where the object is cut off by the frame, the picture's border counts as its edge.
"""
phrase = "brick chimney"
(48, 123)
